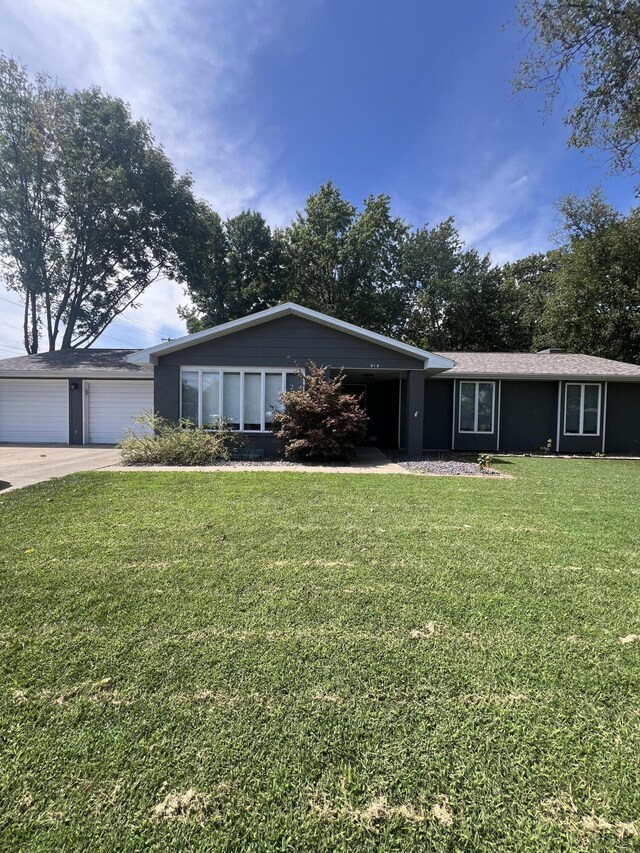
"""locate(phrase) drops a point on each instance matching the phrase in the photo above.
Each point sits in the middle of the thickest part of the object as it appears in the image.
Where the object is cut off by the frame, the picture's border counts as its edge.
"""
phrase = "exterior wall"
(438, 414)
(528, 415)
(75, 411)
(623, 418)
(580, 443)
(414, 408)
(166, 391)
(291, 342)
(287, 342)
(475, 441)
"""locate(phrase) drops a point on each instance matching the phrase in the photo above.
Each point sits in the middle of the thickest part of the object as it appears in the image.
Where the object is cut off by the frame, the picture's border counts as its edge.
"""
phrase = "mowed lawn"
(305, 662)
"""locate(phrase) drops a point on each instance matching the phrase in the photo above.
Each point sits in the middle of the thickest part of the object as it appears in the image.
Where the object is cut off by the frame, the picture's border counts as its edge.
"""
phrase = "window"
(246, 399)
(582, 409)
(476, 406)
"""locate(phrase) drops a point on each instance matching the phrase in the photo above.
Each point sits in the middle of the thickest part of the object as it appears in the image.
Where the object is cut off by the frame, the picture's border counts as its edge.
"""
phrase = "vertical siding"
(475, 441)
(75, 412)
(623, 418)
(166, 391)
(580, 443)
(438, 404)
(528, 415)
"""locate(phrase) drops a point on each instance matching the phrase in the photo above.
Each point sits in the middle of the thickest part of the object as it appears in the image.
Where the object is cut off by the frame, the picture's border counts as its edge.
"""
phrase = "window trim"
(475, 430)
(264, 428)
(582, 386)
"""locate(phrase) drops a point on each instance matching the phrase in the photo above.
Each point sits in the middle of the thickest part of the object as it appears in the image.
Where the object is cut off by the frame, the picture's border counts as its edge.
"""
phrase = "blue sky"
(263, 100)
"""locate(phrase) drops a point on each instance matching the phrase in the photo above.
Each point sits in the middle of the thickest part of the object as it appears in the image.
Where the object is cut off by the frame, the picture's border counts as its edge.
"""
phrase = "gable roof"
(150, 355)
(538, 365)
(75, 364)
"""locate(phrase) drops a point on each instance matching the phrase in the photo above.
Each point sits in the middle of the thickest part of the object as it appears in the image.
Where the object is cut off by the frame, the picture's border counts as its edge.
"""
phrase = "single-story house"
(415, 400)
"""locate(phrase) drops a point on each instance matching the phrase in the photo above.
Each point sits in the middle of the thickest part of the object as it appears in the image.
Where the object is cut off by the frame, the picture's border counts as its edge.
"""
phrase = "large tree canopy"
(91, 211)
(237, 269)
(598, 41)
(346, 262)
(594, 306)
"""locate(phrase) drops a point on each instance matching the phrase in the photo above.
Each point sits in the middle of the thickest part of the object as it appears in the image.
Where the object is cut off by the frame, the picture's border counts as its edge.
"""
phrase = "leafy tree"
(204, 271)
(240, 270)
(254, 264)
(598, 38)
(456, 297)
(527, 285)
(429, 265)
(595, 303)
(346, 263)
(91, 211)
(319, 421)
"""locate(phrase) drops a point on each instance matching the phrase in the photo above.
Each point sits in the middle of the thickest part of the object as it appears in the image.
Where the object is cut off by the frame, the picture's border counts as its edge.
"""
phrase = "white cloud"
(186, 66)
(494, 206)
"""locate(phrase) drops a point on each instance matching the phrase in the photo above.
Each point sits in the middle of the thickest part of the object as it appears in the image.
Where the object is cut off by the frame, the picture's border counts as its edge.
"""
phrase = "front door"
(381, 403)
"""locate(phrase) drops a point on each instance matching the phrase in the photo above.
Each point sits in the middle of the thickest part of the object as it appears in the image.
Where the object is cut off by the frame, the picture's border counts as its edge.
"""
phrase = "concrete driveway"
(23, 465)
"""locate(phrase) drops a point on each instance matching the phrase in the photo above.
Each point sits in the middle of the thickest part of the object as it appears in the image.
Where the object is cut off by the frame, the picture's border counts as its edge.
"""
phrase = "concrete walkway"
(24, 465)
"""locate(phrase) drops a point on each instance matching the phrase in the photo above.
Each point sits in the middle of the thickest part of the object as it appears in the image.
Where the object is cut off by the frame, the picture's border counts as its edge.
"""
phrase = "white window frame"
(284, 371)
(475, 430)
(582, 386)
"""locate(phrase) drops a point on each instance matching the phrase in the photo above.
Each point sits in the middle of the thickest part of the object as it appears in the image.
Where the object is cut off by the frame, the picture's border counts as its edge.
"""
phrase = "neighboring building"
(415, 399)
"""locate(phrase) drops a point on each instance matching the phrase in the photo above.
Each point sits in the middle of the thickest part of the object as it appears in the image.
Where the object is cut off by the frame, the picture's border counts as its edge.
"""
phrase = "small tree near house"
(319, 421)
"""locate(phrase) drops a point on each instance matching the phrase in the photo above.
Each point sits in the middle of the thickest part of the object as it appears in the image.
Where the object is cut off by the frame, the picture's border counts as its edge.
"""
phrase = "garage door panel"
(111, 407)
(34, 411)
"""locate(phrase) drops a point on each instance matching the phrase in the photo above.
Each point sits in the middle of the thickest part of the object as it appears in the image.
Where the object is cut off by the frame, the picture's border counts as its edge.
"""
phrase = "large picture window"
(245, 399)
(476, 406)
(582, 409)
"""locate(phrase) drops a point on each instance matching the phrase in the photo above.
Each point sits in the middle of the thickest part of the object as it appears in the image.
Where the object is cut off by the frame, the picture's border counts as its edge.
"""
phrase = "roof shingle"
(75, 362)
(538, 365)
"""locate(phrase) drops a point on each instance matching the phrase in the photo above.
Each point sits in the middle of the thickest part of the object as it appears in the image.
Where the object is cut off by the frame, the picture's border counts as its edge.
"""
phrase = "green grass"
(252, 637)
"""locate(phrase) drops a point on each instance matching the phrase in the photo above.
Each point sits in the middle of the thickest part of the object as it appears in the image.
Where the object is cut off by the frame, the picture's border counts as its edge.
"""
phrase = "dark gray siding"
(291, 342)
(166, 391)
(76, 398)
(475, 441)
(623, 418)
(580, 443)
(438, 413)
(528, 415)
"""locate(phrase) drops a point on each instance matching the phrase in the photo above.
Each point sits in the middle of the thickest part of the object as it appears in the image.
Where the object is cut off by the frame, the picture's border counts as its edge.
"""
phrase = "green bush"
(163, 442)
(485, 461)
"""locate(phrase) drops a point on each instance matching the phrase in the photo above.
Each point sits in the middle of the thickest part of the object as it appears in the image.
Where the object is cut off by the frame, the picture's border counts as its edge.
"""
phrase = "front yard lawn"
(282, 661)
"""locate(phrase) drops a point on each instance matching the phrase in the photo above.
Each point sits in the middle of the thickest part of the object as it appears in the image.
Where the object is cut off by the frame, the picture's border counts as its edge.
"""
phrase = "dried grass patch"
(442, 812)
(189, 805)
(380, 810)
(563, 811)
(425, 633)
(499, 699)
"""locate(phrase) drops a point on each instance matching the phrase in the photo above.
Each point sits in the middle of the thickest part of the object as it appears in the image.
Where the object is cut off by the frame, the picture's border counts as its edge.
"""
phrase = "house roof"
(150, 355)
(75, 364)
(538, 365)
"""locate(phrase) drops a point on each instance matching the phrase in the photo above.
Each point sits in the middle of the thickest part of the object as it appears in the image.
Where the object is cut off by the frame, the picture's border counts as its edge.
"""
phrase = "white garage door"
(34, 410)
(110, 407)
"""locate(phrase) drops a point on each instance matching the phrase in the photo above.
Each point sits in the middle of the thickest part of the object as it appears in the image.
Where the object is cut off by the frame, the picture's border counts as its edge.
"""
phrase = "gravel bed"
(268, 463)
(450, 467)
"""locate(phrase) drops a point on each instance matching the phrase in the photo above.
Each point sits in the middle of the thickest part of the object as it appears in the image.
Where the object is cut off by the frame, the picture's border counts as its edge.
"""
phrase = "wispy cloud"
(495, 206)
(185, 65)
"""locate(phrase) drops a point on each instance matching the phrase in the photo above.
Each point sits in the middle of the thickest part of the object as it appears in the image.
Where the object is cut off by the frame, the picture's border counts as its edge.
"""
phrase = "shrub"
(485, 461)
(163, 442)
(319, 422)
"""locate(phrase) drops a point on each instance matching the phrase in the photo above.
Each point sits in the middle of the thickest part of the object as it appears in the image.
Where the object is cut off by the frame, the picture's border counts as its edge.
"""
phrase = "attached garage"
(34, 411)
(111, 405)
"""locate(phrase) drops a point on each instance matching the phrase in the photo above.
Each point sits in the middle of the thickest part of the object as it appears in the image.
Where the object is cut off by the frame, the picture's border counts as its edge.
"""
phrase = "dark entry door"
(381, 406)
